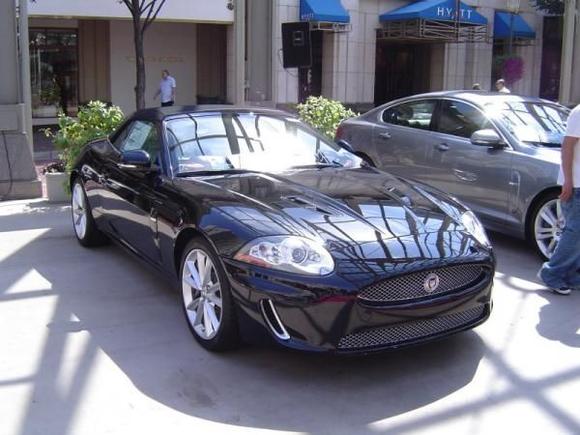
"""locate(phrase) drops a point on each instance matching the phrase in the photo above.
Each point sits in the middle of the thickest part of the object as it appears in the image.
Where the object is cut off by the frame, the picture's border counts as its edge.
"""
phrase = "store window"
(54, 71)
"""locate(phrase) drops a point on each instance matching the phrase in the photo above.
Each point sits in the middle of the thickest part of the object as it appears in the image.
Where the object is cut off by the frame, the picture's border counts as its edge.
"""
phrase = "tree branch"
(151, 16)
(129, 5)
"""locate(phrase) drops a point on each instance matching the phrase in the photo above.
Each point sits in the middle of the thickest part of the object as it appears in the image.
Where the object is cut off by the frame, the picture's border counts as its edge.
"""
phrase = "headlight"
(288, 253)
(474, 227)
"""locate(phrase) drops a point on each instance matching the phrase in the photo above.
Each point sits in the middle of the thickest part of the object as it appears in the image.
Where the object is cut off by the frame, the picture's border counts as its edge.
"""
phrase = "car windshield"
(249, 141)
(534, 123)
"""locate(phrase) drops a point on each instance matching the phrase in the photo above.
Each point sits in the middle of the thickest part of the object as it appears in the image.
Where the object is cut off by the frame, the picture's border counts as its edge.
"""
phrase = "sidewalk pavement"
(94, 343)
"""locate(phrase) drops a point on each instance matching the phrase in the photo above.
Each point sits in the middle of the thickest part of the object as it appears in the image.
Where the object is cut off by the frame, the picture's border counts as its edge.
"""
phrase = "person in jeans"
(166, 89)
(561, 274)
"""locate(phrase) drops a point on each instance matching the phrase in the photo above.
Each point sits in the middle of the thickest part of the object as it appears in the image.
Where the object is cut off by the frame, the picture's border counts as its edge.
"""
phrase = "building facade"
(364, 52)
(83, 50)
(393, 48)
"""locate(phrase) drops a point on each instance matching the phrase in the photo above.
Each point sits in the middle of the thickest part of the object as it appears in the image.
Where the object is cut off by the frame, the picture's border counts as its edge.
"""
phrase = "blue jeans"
(562, 271)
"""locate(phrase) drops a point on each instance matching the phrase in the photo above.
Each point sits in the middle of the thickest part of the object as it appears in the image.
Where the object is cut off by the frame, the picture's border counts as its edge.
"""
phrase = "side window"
(140, 135)
(460, 119)
(416, 114)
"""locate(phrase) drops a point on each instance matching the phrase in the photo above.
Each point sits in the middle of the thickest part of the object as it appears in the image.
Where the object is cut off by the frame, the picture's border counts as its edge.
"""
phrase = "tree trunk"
(139, 64)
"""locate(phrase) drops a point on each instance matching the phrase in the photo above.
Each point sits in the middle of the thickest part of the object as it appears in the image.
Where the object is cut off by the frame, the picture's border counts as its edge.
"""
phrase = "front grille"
(412, 285)
(412, 330)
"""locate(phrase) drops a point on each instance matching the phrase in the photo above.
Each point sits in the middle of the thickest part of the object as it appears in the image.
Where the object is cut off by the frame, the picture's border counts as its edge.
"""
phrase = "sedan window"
(533, 123)
(416, 114)
(461, 119)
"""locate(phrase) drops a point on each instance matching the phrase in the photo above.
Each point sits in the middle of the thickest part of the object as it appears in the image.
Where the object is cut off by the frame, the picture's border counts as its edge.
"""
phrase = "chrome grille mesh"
(402, 332)
(411, 286)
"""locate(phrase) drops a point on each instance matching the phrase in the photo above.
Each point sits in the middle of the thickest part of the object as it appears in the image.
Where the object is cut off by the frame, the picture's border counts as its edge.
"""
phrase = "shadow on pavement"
(134, 317)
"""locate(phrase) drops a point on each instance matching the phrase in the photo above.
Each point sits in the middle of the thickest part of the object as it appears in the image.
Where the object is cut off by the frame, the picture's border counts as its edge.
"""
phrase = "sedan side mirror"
(487, 138)
(137, 161)
(345, 145)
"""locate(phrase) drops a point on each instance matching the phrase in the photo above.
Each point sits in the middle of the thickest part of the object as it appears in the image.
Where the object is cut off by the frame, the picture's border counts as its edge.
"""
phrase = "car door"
(402, 136)
(478, 175)
(131, 198)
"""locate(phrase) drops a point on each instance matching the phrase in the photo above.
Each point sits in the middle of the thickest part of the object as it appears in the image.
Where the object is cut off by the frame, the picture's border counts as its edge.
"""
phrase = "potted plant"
(47, 101)
(323, 114)
(95, 120)
(56, 182)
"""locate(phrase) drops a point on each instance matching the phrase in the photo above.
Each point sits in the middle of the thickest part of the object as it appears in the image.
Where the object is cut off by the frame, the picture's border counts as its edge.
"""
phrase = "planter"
(45, 112)
(56, 187)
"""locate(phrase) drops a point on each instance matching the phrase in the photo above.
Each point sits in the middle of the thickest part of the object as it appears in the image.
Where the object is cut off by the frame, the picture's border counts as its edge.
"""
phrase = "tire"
(84, 225)
(214, 327)
(546, 224)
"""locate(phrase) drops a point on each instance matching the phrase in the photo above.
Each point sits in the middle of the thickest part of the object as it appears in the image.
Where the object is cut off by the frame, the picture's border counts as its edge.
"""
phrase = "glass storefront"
(54, 71)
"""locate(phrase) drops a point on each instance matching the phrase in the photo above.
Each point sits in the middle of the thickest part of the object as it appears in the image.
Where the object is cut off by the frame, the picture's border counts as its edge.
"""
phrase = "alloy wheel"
(79, 211)
(548, 227)
(202, 294)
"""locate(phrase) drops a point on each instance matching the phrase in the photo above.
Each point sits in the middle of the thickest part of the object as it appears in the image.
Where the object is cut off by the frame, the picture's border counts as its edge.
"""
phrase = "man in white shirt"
(500, 86)
(561, 274)
(166, 89)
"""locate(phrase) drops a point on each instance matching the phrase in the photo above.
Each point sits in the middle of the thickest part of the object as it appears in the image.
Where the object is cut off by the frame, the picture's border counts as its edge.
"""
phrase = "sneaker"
(559, 290)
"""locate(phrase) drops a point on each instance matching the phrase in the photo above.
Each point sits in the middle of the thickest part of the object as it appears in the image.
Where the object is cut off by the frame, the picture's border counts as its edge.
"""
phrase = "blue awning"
(439, 10)
(323, 10)
(521, 29)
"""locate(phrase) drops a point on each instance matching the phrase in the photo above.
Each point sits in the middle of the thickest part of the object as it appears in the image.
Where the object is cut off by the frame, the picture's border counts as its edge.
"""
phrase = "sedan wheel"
(548, 227)
(206, 298)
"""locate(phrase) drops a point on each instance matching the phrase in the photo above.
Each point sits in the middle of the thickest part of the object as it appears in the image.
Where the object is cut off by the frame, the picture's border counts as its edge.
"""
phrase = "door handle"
(385, 135)
(442, 147)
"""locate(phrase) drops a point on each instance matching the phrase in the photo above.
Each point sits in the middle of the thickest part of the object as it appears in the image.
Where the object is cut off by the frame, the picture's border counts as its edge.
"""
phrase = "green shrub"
(93, 121)
(323, 114)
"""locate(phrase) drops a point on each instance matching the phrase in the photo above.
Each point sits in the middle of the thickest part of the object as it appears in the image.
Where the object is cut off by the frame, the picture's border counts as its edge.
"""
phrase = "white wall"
(184, 10)
(167, 45)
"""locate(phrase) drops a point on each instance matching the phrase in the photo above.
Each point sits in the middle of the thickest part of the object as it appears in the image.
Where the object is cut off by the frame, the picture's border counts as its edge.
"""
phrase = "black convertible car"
(271, 230)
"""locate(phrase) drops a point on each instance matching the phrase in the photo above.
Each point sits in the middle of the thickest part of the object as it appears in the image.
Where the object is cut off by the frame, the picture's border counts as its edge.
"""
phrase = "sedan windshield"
(534, 123)
(248, 141)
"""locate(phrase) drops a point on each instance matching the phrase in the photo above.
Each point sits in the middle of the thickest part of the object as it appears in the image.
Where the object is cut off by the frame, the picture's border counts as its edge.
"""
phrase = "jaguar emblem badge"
(431, 283)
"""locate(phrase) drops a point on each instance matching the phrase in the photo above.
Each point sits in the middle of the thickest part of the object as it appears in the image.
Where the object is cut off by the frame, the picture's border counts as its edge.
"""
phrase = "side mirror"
(137, 161)
(345, 145)
(487, 138)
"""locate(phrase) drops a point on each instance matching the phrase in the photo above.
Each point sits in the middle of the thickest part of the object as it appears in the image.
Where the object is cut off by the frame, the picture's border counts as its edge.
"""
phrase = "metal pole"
(24, 53)
(457, 22)
(511, 38)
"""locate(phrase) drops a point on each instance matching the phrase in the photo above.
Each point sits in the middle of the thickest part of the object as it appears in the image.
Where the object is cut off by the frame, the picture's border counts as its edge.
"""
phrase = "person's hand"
(567, 191)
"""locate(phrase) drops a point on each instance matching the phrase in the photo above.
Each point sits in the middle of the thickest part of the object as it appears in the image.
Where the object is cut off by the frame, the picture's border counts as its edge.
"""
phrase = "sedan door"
(402, 136)
(478, 175)
(132, 198)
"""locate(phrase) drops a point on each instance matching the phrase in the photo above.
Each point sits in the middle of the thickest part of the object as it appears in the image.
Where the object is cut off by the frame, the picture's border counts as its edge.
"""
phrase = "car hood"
(364, 209)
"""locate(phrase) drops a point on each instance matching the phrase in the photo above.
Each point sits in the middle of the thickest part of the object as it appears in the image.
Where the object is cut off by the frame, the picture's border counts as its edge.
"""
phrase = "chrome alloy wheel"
(79, 211)
(202, 294)
(548, 227)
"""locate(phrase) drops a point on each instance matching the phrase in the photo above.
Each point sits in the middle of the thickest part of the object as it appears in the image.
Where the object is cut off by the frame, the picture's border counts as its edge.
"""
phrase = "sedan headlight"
(288, 253)
(474, 227)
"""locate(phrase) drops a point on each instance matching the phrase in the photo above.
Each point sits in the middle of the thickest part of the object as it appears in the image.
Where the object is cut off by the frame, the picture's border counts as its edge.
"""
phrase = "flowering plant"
(513, 69)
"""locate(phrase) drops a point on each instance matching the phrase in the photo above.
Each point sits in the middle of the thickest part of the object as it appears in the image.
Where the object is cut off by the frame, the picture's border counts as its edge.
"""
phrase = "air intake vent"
(273, 320)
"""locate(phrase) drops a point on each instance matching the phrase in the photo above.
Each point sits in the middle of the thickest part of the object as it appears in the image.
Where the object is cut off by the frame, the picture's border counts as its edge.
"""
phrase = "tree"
(143, 13)
(553, 7)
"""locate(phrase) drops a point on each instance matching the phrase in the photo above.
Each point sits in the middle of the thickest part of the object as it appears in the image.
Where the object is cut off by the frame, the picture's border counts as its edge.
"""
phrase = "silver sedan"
(498, 153)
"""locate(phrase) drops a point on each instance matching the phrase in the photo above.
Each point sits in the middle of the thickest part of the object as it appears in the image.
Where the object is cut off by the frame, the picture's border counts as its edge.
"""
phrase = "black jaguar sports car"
(271, 230)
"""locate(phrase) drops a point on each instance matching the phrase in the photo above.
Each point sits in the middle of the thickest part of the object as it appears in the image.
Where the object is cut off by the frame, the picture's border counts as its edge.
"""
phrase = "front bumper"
(326, 314)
